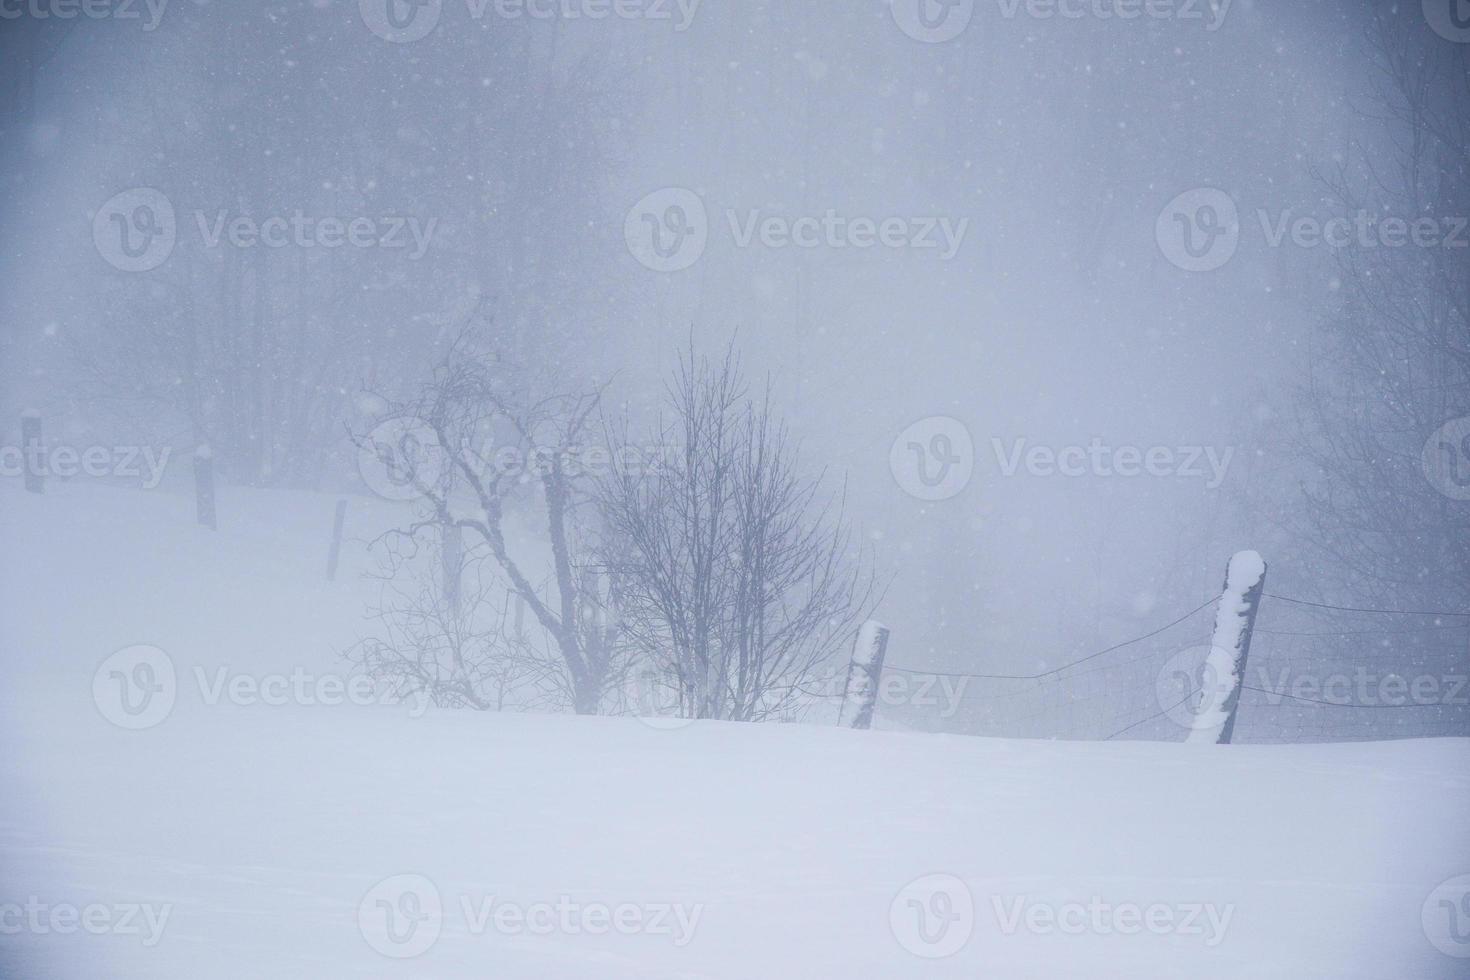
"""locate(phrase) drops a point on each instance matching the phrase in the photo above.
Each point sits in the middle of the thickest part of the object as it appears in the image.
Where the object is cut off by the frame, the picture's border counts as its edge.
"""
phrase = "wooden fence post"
(204, 487)
(1230, 646)
(336, 550)
(32, 452)
(864, 675)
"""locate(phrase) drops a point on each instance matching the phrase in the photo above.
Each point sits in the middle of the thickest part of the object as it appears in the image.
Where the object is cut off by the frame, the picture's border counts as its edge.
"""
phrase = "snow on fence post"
(1230, 645)
(336, 550)
(31, 451)
(204, 487)
(863, 675)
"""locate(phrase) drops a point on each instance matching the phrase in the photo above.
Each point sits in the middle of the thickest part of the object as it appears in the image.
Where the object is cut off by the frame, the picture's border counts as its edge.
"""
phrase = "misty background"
(526, 142)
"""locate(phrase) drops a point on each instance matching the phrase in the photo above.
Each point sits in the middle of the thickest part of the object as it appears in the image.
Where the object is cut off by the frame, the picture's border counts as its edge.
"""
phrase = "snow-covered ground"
(231, 837)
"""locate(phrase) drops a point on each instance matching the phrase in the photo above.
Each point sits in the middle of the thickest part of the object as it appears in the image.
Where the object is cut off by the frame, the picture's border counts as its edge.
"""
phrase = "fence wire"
(1320, 672)
(1316, 672)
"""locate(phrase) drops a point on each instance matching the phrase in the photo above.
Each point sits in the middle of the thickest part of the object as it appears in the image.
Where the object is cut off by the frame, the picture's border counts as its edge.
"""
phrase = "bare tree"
(255, 349)
(1392, 363)
(736, 582)
(455, 647)
(474, 448)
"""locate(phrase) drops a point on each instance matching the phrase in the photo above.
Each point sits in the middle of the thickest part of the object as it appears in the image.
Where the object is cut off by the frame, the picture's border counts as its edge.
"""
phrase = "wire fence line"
(1322, 672)
(1163, 711)
(1339, 704)
(1058, 670)
(1360, 609)
(1316, 671)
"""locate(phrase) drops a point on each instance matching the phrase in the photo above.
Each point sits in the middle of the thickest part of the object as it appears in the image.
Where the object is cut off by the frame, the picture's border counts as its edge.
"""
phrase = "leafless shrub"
(737, 582)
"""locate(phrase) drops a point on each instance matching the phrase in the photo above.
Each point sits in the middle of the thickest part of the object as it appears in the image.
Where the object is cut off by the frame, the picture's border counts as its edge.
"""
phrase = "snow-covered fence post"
(1230, 645)
(864, 675)
(204, 487)
(335, 552)
(31, 450)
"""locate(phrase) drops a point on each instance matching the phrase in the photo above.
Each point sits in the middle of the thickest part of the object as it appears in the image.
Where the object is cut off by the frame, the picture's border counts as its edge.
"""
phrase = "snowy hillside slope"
(252, 839)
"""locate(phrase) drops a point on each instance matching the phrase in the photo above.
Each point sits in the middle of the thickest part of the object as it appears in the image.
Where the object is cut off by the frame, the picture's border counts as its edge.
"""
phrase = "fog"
(1059, 306)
